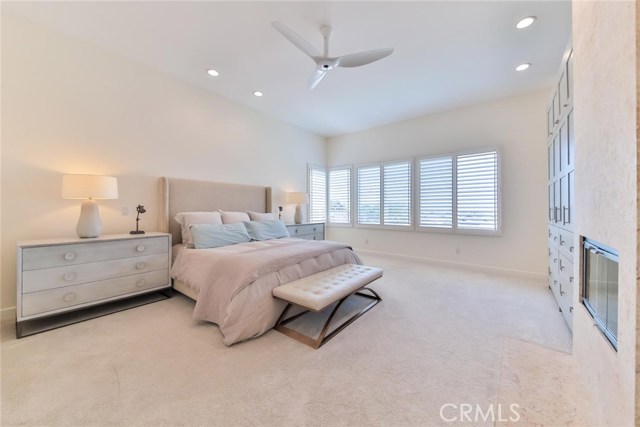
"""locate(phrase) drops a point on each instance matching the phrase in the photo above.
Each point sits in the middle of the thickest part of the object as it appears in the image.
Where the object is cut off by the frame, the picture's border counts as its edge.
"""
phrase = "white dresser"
(62, 275)
(311, 231)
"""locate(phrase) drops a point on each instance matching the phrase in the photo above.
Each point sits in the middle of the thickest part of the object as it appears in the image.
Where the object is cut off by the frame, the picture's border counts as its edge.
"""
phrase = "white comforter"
(234, 283)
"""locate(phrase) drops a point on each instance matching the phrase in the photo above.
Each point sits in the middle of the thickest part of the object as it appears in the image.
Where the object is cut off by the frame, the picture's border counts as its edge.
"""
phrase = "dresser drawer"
(95, 292)
(79, 253)
(565, 269)
(56, 277)
(307, 230)
(565, 243)
(552, 233)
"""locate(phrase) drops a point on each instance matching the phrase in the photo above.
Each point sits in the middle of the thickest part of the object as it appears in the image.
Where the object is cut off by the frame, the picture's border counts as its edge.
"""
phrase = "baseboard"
(467, 266)
(7, 315)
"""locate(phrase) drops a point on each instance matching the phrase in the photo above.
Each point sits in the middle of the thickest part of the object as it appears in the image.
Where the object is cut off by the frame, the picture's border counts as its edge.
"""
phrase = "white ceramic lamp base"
(89, 224)
(297, 218)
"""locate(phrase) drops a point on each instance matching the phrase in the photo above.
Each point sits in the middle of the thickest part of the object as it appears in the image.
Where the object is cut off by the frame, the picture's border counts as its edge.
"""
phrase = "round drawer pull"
(69, 276)
(141, 282)
(140, 265)
(69, 297)
(70, 256)
(140, 248)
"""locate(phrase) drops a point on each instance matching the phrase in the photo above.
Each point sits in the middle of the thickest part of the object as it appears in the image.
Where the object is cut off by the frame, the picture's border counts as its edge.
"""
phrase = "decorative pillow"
(186, 219)
(217, 235)
(265, 230)
(234, 217)
(259, 216)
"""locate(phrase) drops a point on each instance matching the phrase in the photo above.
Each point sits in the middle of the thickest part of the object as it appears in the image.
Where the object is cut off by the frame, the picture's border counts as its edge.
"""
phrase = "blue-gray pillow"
(266, 230)
(217, 235)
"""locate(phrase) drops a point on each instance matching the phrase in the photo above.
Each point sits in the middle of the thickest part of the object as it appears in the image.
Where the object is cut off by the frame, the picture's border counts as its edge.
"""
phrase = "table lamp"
(299, 199)
(89, 188)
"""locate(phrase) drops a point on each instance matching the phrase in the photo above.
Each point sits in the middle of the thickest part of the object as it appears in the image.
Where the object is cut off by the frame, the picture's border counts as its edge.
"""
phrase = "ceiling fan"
(325, 62)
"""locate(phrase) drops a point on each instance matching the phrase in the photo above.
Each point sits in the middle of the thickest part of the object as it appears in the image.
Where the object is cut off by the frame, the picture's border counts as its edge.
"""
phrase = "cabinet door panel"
(556, 109)
(570, 78)
(569, 208)
(551, 201)
(570, 140)
(550, 169)
(557, 203)
(564, 199)
(557, 155)
(563, 135)
(563, 90)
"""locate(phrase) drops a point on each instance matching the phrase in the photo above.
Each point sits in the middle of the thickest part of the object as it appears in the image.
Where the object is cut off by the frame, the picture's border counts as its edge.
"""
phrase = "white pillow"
(186, 219)
(259, 216)
(234, 217)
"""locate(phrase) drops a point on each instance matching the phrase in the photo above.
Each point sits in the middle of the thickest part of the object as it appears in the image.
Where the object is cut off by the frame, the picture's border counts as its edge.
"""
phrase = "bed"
(232, 285)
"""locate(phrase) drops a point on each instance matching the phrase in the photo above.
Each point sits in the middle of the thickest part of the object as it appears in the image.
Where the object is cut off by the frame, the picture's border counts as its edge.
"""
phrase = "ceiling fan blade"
(316, 78)
(363, 58)
(294, 38)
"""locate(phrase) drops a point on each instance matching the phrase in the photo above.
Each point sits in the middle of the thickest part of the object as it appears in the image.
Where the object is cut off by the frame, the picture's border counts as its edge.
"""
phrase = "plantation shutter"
(436, 192)
(396, 184)
(368, 190)
(477, 191)
(340, 196)
(317, 194)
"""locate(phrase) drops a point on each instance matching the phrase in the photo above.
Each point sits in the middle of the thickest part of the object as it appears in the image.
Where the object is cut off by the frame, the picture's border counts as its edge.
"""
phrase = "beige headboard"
(187, 195)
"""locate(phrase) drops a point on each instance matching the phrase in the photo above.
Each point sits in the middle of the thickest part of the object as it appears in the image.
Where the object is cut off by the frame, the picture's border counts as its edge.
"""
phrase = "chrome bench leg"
(323, 337)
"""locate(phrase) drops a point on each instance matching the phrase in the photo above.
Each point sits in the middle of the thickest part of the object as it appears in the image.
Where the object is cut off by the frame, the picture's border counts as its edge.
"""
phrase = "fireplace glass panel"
(600, 287)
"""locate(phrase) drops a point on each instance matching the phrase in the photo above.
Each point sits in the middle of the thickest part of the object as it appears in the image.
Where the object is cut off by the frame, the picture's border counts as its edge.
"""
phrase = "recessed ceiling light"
(523, 67)
(525, 22)
(213, 72)
(257, 93)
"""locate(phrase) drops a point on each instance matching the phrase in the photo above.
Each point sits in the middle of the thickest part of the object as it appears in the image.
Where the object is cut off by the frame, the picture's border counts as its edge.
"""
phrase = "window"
(340, 196)
(436, 192)
(460, 192)
(368, 193)
(317, 194)
(384, 194)
(477, 191)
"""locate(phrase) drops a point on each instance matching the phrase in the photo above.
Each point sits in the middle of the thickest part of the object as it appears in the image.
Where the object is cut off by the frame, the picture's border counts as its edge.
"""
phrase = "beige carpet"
(440, 342)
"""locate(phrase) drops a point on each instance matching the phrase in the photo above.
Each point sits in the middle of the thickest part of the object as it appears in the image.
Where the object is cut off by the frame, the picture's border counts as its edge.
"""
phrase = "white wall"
(68, 107)
(606, 191)
(518, 126)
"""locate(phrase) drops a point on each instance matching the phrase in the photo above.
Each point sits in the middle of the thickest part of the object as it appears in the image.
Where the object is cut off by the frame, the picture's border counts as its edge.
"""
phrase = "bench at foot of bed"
(320, 290)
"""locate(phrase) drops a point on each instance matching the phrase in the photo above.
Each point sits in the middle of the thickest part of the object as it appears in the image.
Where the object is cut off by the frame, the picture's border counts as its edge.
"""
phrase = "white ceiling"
(447, 53)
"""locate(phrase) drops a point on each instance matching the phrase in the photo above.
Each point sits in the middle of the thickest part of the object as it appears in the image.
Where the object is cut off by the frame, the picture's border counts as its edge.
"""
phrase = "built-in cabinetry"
(560, 176)
(58, 276)
(311, 231)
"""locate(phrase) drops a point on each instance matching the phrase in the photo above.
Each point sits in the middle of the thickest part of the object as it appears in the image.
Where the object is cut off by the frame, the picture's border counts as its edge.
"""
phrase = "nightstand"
(311, 231)
(59, 276)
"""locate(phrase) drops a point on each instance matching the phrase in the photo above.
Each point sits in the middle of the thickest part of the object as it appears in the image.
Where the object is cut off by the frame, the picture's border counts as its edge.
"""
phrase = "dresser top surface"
(78, 240)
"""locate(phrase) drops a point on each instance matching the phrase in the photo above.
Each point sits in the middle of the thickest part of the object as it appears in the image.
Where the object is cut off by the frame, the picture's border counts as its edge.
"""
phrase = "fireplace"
(600, 287)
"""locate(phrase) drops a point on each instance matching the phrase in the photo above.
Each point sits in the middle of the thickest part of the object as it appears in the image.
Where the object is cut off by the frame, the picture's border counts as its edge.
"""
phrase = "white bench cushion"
(320, 290)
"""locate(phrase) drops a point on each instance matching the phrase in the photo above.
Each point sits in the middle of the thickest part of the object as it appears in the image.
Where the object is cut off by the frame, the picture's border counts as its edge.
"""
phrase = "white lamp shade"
(89, 187)
(298, 198)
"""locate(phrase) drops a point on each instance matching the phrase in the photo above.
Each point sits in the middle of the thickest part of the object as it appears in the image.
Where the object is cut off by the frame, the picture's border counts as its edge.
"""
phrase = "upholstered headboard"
(187, 195)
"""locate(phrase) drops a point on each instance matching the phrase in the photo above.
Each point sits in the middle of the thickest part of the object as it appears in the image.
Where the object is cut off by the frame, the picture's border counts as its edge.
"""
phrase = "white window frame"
(382, 225)
(455, 229)
(352, 206)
